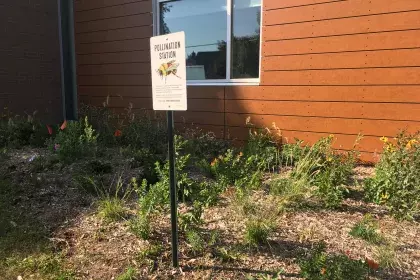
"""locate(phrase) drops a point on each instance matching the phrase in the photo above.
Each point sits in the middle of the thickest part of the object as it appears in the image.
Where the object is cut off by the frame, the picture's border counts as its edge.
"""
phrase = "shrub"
(257, 231)
(291, 153)
(319, 166)
(319, 265)
(236, 169)
(396, 183)
(145, 159)
(76, 141)
(203, 145)
(366, 229)
(140, 226)
(18, 131)
(142, 131)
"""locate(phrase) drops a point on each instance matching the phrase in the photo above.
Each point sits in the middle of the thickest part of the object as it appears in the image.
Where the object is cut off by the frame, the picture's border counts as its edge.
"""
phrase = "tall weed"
(396, 183)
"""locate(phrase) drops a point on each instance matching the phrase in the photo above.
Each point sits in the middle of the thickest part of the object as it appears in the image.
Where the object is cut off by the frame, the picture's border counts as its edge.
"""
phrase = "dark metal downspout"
(68, 58)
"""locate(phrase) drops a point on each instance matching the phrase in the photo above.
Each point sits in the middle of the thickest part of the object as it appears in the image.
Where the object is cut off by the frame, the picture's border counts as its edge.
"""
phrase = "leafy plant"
(203, 145)
(129, 274)
(291, 153)
(387, 256)
(226, 255)
(367, 229)
(75, 141)
(318, 265)
(396, 183)
(195, 240)
(140, 226)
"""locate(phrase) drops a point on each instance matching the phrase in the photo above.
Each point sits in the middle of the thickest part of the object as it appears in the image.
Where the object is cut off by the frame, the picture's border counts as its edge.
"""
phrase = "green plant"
(319, 265)
(129, 274)
(367, 229)
(262, 145)
(203, 145)
(291, 153)
(320, 172)
(141, 227)
(144, 131)
(387, 256)
(112, 207)
(191, 219)
(75, 141)
(396, 183)
(226, 255)
(19, 131)
(195, 240)
(257, 231)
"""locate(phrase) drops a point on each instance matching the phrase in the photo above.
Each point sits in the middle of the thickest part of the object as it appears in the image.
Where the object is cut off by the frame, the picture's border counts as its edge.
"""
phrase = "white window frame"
(222, 82)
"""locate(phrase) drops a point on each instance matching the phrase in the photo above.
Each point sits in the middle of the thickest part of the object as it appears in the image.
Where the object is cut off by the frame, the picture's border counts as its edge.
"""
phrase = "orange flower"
(64, 125)
(50, 131)
(372, 264)
(117, 133)
(214, 162)
(323, 271)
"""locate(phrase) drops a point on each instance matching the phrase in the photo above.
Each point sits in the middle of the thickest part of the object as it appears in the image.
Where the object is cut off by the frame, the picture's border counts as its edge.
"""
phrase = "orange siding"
(343, 67)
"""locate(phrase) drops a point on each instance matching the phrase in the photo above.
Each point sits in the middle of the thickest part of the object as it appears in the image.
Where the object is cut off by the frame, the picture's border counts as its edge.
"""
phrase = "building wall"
(342, 67)
(30, 77)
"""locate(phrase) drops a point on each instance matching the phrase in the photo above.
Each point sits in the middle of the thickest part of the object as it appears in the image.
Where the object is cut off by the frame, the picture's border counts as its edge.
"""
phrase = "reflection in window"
(205, 23)
(246, 20)
(205, 26)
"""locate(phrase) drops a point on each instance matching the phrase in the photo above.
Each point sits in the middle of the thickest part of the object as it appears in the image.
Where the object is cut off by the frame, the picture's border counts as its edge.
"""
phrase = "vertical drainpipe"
(68, 58)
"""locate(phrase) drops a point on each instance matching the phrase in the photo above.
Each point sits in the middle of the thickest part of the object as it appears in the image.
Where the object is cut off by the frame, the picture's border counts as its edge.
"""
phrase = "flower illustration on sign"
(169, 68)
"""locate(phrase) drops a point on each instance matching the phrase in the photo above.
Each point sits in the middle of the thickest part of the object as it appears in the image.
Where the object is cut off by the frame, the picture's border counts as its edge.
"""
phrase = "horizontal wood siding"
(345, 67)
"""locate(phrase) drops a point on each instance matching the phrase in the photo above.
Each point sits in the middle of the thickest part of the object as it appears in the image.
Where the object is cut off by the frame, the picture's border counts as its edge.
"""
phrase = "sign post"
(169, 86)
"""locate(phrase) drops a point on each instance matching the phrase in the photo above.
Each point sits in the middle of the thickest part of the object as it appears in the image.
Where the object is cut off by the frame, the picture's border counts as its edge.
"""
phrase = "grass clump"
(367, 229)
(318, 265)
(320, 172)
(112, 203)
(387, 256)
(396, 183)
(129, 274)
(257, 231)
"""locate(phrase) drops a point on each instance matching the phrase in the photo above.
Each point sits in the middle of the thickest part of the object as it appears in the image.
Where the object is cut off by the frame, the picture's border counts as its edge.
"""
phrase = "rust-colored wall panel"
(30, 69)
(383, 111)
(356, 25)
(122, 10)
(390, 94)
(198, 118)
(326, 125)
(387, 58)
(112, 47)
(114, 91)
(279, 4)
(344, 43)
(341, 9)
(114, 23)
(121, 57)
(114, 69)
(115, 34)
(373, 76)
(83, 5)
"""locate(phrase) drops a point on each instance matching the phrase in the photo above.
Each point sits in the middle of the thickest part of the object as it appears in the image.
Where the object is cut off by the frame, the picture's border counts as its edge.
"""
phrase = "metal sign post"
(172, 187)
(169, 87)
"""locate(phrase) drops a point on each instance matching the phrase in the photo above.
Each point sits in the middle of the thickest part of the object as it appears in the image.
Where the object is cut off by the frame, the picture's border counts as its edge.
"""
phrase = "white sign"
(169, 74)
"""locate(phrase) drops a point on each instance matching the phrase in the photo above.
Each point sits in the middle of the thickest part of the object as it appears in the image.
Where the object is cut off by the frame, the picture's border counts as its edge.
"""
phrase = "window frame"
(222, 82)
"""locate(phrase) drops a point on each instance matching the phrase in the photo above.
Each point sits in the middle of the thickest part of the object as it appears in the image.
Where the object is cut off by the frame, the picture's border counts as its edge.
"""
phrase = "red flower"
(118, 133)
(372, 264)
(64, 125)
(50, 131)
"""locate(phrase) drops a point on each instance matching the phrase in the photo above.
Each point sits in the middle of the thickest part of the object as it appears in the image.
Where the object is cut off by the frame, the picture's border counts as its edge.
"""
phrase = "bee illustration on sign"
(167, 69)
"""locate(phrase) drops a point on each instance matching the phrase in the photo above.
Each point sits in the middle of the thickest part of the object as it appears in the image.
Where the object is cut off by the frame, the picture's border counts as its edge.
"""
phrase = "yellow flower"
(331, 136)
(384, 139)
(411, 143)
(329, 158)
(241, 154)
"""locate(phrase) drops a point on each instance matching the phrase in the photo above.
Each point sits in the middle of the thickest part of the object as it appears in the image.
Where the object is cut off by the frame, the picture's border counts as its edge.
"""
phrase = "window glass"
(246, 18)
(205, 26)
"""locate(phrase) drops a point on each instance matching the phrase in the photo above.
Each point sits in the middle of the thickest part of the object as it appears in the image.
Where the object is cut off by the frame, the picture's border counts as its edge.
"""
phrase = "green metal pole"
(172, 186)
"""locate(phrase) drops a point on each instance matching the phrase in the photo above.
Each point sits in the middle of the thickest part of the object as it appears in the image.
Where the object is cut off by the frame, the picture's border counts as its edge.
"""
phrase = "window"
(222, 37)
